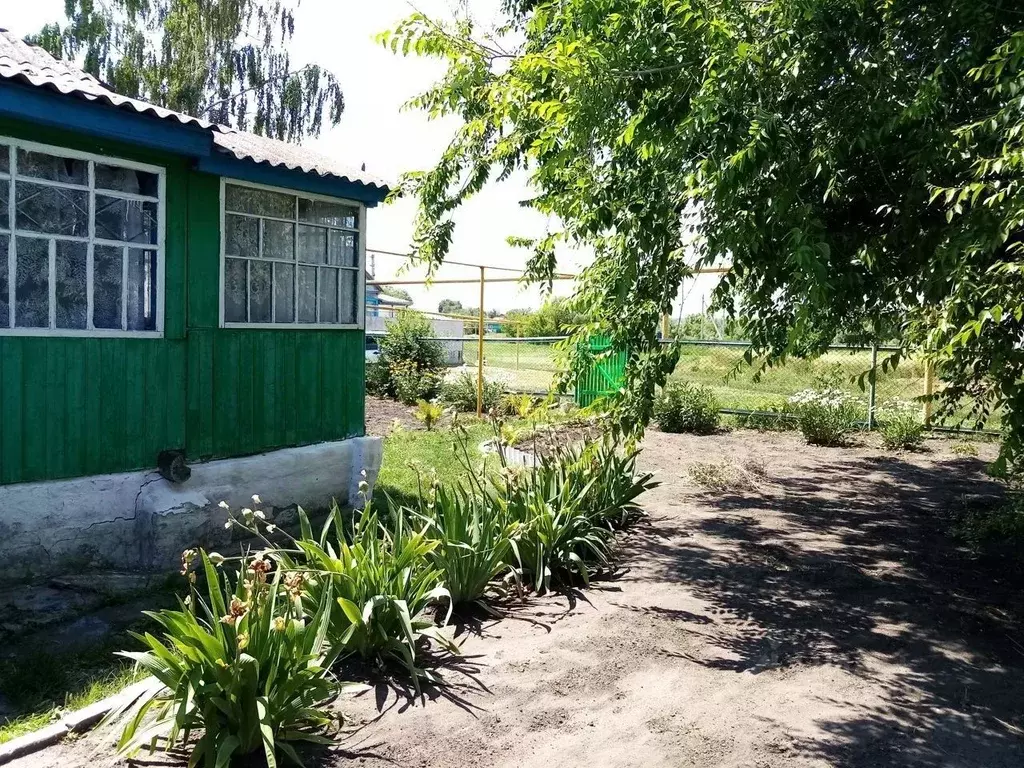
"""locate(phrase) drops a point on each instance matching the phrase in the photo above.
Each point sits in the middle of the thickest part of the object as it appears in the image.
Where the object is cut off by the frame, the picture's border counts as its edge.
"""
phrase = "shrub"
(997, 531)
(460, 393)
(410, 362)
(429, 413)
(826, 414)
(412, 384)
(900, 427)
(686, 407)
(775, 417)
(243, 668)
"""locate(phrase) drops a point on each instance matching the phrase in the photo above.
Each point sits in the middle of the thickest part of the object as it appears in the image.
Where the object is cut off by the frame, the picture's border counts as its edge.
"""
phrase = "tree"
(222, 60)
(450, 307)
(857, 164)
(398, 293)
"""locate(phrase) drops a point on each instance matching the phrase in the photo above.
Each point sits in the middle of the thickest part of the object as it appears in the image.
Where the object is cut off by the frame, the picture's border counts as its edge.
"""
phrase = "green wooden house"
(167, 284)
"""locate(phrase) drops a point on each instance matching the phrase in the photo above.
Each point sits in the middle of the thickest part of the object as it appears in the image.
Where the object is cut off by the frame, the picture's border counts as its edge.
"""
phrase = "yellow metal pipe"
(929, 390)
(480, 349)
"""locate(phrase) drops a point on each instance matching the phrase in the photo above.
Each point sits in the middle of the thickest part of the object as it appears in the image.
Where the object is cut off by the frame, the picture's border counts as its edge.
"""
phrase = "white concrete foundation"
(139, 520)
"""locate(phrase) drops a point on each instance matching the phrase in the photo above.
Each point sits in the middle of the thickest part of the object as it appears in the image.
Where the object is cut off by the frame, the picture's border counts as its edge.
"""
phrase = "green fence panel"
(605, 376)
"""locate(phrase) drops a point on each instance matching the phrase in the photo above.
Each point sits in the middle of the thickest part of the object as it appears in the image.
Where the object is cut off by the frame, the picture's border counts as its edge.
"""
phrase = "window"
(289, 259)
(81, 243)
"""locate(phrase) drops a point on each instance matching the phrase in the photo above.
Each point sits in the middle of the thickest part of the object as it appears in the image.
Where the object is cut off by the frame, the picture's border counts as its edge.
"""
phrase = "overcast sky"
(376, 130)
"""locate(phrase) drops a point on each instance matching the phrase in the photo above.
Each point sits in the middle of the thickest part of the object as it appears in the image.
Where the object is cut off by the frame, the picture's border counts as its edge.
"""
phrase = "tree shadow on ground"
(848, 563)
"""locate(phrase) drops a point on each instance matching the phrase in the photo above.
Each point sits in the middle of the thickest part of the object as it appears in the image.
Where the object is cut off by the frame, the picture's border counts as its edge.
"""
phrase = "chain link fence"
(529, 365)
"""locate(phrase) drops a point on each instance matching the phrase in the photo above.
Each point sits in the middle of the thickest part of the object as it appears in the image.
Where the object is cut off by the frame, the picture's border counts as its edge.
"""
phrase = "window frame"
(360, 268)
(11, 177)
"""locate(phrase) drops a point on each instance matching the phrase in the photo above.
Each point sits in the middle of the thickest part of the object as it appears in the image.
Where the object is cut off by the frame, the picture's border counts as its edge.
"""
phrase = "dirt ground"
(814, 615)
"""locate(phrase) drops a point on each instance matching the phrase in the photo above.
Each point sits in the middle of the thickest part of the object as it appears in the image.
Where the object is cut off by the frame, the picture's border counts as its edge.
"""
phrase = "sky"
(377, 131)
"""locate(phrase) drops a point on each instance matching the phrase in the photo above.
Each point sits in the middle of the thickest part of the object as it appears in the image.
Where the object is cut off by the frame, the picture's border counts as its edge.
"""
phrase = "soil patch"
(381, 414)
(819, 616)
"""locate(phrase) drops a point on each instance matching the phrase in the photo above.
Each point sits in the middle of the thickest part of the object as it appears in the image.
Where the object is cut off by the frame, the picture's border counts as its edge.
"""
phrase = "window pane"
(307, 295)
(259, 202)
(32, 285)
(349, 297)
(259, 292)
(133, 221)
(241, 236)
(324, 212)
(312, 244)
(72, 300)
(284, 293)
(5, 191)
(328, 295)
(5, 309)
(106, 286)
(127, 180)
(142, 278)
(5, 159)
(343, 249)
(234, 290)
(52, 210)
(52, 167)
(278, 240)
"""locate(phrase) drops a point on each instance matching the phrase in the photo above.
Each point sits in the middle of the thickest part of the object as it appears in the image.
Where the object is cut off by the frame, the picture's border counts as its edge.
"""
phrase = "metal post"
(873, 381)
(664, 326)
(480, 351)
(929, 390)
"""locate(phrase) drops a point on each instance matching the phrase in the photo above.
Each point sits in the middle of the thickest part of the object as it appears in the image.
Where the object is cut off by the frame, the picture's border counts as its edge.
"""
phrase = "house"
(381, 304)
(167, 284)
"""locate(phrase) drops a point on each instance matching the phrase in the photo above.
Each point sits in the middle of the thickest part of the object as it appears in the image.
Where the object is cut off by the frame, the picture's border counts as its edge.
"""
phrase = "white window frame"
(11, 178)
(360, 251)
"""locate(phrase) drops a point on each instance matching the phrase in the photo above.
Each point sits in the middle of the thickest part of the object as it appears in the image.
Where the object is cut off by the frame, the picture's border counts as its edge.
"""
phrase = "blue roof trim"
(299, 180)
(101, 120)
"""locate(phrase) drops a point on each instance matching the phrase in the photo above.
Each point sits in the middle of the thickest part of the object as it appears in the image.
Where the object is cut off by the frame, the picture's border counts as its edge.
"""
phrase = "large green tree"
(223, 60)
(857, 163)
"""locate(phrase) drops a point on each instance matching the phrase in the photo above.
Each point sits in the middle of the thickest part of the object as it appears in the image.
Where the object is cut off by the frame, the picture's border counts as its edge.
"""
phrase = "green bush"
(243, 669)
(410, 362)
(774, 417)
(686, 407)
(998, 530)
(826, 414)
(900, 427)
(460, 393)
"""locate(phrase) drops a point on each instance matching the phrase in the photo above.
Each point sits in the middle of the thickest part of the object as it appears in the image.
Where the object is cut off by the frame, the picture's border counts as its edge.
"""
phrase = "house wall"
(72, 407)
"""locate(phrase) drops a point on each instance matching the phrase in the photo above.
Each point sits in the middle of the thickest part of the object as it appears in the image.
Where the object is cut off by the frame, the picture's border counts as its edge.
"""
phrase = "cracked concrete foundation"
(139, 520)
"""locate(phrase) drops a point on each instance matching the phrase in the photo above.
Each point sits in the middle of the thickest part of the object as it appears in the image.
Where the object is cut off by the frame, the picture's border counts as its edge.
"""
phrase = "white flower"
(256, 499)
(224, 505)
(229, 523)
(259, 515)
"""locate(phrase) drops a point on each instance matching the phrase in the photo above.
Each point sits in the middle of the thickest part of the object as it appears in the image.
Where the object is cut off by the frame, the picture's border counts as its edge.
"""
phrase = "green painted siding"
(81, 406)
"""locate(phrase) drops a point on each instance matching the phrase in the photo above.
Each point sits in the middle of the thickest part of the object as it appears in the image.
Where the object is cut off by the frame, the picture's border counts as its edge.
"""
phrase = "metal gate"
(606, 374)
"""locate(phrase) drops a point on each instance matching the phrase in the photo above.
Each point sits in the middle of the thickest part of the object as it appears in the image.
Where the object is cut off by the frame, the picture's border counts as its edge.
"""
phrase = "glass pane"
(259, 202)
(127, 180)
(278, 240)
(32, 285)
(234, 290)
(328, 295)
(259, 292)
(5, 191)
(53, 167)
(307, 295)
(106, 286)
(52, 210)
(241, 236)
(284, 293)
(324, 212)
(349, 297)
(5, 308)
(312, 244)
(141, 290)
(132, 221)
(343, 249)
(72, 300)
(5, 159)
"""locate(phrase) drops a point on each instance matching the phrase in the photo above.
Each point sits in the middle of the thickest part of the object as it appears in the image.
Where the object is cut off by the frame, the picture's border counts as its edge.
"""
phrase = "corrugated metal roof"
(249, 146)
(24, 63)
(30, 64)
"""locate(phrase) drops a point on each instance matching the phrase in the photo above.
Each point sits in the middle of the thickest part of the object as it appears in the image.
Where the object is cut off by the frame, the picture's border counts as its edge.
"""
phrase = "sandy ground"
(814, 615)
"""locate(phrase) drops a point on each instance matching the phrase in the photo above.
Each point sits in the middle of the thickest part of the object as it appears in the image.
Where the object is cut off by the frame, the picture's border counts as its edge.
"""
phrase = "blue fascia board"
(300, 181)
(102, 120)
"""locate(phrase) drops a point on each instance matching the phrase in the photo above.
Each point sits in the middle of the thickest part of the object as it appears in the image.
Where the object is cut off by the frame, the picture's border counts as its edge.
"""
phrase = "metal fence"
(529, 365)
